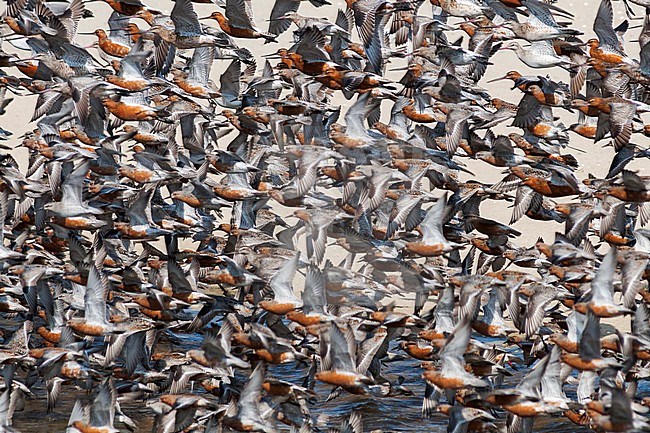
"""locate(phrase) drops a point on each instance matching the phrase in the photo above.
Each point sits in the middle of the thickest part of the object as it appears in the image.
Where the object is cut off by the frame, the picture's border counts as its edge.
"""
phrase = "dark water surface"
(398, 414)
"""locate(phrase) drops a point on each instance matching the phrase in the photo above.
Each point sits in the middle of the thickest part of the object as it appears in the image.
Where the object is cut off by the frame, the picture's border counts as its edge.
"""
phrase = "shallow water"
(394, 414)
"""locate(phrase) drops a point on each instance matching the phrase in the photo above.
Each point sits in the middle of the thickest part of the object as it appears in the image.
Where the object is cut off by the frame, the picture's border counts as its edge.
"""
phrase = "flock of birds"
(173, 241)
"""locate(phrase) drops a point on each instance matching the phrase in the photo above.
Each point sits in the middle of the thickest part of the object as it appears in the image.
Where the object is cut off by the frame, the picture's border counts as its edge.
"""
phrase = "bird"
(238, 21)
(200, 232)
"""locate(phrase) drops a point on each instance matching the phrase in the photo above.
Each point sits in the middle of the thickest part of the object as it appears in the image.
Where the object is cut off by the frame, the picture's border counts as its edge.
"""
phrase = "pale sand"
(595, 160)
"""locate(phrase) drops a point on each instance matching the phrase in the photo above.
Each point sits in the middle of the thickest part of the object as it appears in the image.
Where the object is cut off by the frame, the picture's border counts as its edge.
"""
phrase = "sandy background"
(595, 159)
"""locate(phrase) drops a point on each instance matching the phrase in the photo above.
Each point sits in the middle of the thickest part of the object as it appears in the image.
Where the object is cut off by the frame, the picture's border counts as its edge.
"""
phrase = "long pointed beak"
(15, 38)
(28, 59)
(206, 18)
(498, 79)
(130, 33)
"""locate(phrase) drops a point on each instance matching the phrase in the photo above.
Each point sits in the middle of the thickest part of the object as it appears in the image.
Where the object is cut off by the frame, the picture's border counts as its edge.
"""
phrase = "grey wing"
(644, 60)
(201, 64)
(307, 175)
(577, 224)
(641, 321)
(73, 184)
(135, 352)
(5, 416)
(102, 411)
(502, 145)
(586, 386)
(602, 286)
(314, 294)
(401, 211)
(532, 380)
(540, 13)
(444, 310)
(339, 353)
(457, 343)
(115, 345)
(186, 21)
(633, 181)
(251, 395)
(281, 7)
(282, 280)
(551, 384)
(355, 116)
(454, 128)
(354, 424)
(239, 13)
(543, 48)
(137, 212)
(117, 28)
(230, 82)
(431, 226)
(604, 27)
(368, 348)
(212, 345)
(528, 112)
(589, 343)
(536, 311)
(620, 410)
(95, 297)
(575, 322)
(523, 200)
(622, 115)
(517, 424)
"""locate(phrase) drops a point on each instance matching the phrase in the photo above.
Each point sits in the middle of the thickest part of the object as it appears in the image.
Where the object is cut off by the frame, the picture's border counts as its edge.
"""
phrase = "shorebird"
(228, 264)
(540, 25)
(452, 373)
(539, 55)
(239, 22)
(433, 242)
(462, 8)
(338, 366)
